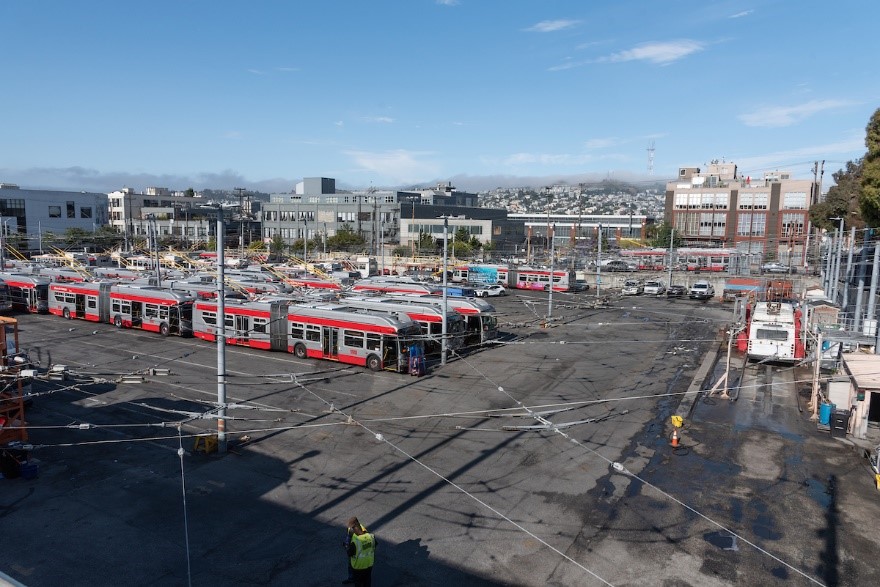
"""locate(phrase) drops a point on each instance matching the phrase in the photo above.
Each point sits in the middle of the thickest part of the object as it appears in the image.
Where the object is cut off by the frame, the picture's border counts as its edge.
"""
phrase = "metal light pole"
(220, 332)
(306, 242)
(846, 276)
(445, 292)
(599, 263)
(836, 275)
(552, 266)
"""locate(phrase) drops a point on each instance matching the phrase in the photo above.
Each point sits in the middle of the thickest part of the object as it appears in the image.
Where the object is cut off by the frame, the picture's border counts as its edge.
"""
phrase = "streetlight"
(599, 263)
(445, 291)
(836, 270)
(220, 331)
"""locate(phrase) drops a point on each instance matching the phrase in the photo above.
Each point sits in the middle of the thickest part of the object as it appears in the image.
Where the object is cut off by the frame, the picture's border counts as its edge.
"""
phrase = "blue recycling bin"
(825, 411)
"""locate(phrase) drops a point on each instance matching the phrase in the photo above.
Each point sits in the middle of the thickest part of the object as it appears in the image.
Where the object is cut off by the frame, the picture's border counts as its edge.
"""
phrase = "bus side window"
(296, 330)
(313, 333)
(374, 341)
(352, 338)
(151, 310)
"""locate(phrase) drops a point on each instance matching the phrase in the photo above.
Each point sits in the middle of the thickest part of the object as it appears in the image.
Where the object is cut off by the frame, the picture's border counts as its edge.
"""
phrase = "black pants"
(363, 577)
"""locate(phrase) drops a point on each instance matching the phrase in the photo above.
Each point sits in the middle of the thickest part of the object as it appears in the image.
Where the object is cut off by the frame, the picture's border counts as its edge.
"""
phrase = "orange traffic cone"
(674, 438)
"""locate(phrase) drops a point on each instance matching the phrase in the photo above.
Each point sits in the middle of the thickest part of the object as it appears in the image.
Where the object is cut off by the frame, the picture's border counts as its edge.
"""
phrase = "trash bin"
(825, 411)
(839, 423)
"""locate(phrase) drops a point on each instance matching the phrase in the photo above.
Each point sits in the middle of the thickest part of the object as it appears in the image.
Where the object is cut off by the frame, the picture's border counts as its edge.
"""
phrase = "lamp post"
(599, 262)
(445, 291)
(836, 272)
(306, 241)
(220, 332)
(552, 267)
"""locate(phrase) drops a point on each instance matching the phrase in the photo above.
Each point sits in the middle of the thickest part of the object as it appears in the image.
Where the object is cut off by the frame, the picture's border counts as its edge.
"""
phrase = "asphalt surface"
(459, 473)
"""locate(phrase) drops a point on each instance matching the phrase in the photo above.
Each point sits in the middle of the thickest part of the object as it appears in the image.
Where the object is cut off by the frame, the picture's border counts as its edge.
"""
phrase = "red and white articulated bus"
(393, 287)
(259, 324)
(528, 278)
(694, 259)
(337, 333)
(481, 324)
(28, 292)
(429, 318)
(483, 273)
(647, 259)
(149, 308)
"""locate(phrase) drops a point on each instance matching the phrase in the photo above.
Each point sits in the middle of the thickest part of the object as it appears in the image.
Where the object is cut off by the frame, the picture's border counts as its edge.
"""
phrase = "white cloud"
(257, 71)
(657, 53)
(849, 147)
(741, 14)
(777, 116)
(447, 2)
(568, 65)
(549, 26)
(398, 165)
(339, 123)
(379, 119)
(602, 143)
(546, 159)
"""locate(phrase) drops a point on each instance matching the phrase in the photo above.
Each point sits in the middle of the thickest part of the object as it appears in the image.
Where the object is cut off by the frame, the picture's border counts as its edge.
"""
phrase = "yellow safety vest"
(365, 551)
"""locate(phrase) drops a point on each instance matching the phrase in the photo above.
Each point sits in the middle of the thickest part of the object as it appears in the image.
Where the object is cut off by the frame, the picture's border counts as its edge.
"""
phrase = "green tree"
(426, 243)
(276, 247)
(869, 199)
(189, 193)
(658, 236)
(75, 237)
(842, 200)
(346, 239)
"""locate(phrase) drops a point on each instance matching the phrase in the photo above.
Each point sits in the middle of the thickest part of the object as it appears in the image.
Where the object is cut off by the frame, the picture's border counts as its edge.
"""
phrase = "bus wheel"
(164, 330)
(373, 363)
(117, 321)
(66, 313)
(299, 350)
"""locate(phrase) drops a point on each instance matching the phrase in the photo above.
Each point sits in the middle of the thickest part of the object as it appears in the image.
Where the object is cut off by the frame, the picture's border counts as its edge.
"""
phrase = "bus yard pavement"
(460, 484)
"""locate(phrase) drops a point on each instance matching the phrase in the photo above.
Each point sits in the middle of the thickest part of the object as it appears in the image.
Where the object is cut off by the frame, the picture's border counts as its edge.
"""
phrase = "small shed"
(864, 396)
(821, 314)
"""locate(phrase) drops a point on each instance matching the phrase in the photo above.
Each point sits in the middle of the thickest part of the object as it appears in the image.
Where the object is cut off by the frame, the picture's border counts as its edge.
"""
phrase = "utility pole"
(240, 222)
(599, 263)
(552, 266)
(445, 291)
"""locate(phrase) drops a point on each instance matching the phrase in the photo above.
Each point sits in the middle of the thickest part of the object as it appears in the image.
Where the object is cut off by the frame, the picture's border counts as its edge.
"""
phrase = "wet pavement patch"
(723, 540)
(780, 572)
(818, 492)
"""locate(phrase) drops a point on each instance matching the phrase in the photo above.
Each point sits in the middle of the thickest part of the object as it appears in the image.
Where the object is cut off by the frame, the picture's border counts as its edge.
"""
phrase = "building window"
(54, 211)
(85, 212)
(751, 224)
(794, 201)
(71, 209)
(753, 201)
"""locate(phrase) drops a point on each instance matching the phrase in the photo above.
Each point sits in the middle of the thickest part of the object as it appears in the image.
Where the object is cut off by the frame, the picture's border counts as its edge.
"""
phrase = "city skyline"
(100, 95)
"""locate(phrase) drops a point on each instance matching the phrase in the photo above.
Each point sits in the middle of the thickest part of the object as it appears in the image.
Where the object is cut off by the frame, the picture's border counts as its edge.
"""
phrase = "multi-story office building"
(582, 229)
(28, 214)
(765, 218)
(161, 211)
(316, 210)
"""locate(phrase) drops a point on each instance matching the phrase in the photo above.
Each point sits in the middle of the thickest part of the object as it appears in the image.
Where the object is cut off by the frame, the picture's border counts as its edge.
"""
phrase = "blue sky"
(259, 94)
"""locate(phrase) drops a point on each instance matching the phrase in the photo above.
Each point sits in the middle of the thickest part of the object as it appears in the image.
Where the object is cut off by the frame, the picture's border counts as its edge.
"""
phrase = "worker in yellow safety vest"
(361, 553)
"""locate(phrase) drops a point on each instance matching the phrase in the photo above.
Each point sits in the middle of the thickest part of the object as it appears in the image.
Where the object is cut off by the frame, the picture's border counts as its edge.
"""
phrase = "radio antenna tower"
(651, 159)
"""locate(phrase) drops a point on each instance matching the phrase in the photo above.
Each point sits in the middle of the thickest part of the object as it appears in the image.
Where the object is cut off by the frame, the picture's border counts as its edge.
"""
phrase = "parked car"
(701, 290)
(490, 290)
(654, 287)
(776, 267)
(581, 285)
(618, 266)
(632, 287)
(675, 291)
